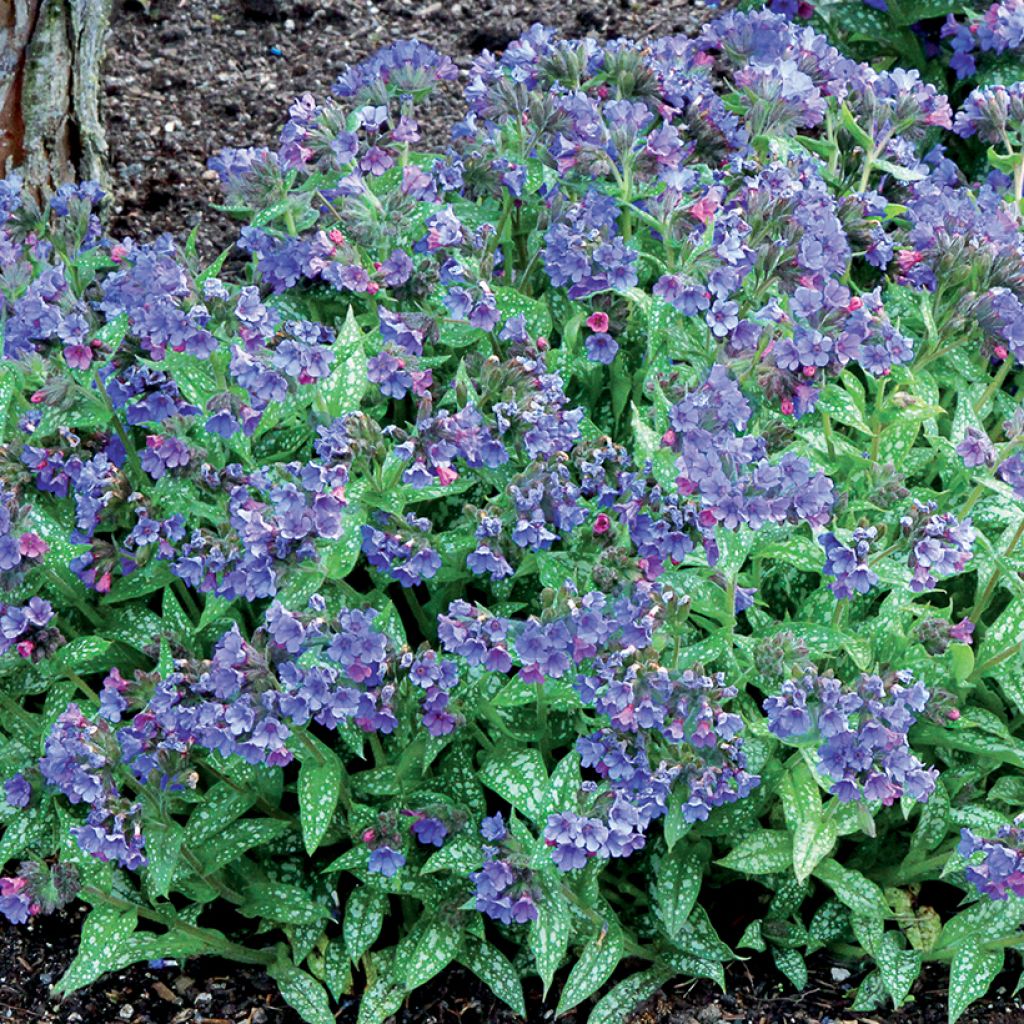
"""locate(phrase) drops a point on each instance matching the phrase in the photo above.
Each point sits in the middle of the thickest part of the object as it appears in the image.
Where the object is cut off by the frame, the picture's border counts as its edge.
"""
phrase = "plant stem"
(216, 941)
(542, 719)
(69, 592)
(994, 384)
(986, 595)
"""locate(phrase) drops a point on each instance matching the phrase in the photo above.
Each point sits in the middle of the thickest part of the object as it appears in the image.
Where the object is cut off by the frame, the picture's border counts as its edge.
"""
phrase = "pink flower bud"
(446, 475)
(810, 371)
(1000, 352)
(37, 397)
(601, 524)
(25, 648)
(31, 545)
(542, 343)
(668, 438)
(907, 259)
(786, 407)
(336, 236)
(372, 288)
(369, 835)
(118, 253)
(103, 583)
(598, 322)
(854, 304)
(953, 715)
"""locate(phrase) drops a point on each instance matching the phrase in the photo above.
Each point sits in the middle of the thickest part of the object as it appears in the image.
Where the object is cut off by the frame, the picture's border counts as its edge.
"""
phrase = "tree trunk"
(51, 53)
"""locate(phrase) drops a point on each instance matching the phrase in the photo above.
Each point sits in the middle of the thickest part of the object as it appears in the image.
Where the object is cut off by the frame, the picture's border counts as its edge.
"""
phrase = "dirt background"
(186, 77)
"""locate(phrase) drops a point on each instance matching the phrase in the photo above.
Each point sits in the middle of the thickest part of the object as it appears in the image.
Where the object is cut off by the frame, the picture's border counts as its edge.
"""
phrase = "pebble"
(126, 1012)
(289, 25)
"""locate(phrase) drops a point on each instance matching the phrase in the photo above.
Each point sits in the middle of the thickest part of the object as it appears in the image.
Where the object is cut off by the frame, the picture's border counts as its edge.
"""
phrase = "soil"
(185, 77)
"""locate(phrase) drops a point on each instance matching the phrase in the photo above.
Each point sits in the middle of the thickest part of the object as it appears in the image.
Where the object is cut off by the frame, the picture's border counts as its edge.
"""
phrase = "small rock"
(203, 1000)
(182, 984)
(170, 126)
(840, 974)
(289, 25)
(126, 1012)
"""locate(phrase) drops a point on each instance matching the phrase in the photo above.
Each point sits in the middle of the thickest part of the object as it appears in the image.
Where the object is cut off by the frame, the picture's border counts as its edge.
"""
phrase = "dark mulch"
(210, 991)
(187, 78)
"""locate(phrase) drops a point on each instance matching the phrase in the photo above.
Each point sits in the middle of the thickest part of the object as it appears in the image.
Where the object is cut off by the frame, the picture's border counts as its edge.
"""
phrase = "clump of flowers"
(529, 536)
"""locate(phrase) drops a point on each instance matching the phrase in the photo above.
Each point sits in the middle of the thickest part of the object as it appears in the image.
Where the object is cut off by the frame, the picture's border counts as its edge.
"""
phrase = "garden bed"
(209, 991)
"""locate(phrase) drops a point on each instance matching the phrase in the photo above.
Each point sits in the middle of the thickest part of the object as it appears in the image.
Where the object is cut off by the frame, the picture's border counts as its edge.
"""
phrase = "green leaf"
(494, 969)
(519, 777)
(679, 876)
(752, 937)
(222, 805)
(461, 854)
(984, 920)
(340, 554)
(104, 932)
(549, 937)
(337, 972)
(236, 838)
(383, 997)
(302, 992)
(860, 136)
(319, 787)
(1006, 631)
(616, 1005)
(761, 853)
(864, 898)
(899, 172)
(595, 966)
(344, 388)
(898, 967)
(289, 904)
(163, 848)
(84, 655)
(364, 917)
(840, 405)
(971, 972)
(791, 963)
(426, 951)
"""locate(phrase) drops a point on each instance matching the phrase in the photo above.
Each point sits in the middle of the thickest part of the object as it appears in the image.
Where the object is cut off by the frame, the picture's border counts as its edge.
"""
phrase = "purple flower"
(15, 904)
(995, 866)
(493, 828)
(430, 831)
(386, 861)
(860, 730)
(849, 564)
(18, 791)
(601, 348)
(976, 449)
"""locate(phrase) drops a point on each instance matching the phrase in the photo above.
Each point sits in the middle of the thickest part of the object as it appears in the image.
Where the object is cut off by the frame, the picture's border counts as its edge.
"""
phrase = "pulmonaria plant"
(547, 531)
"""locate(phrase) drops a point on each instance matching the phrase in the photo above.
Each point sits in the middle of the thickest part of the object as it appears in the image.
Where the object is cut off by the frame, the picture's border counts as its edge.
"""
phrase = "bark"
(51, 56)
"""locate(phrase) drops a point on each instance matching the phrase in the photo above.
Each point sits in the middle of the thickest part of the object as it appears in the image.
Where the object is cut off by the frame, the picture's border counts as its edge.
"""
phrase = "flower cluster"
(860, 732)
(995, 866)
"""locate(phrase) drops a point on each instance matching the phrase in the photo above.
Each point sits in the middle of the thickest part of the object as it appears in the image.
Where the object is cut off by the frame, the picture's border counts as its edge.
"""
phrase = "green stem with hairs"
(994, 384)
